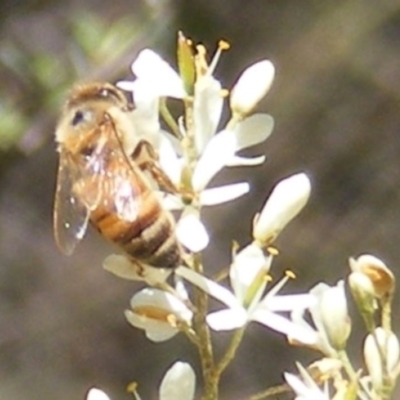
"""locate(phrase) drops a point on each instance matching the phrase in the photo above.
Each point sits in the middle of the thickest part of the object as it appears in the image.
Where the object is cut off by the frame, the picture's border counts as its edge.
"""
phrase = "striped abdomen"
(150, 238)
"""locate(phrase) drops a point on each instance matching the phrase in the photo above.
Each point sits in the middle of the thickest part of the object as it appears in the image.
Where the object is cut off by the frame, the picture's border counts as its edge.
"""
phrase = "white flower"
(252, 86)
(179, 382)
(96, 394)
(209, 151)
(247, 301)
(304, 386)
(287, 199)
(330, 318)
(158, 313)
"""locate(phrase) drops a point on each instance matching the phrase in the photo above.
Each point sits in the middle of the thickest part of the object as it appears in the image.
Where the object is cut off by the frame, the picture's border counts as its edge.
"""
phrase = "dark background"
(336, 102)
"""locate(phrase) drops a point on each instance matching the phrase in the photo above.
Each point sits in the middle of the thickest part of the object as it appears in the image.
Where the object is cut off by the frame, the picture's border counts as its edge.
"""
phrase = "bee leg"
(146, 158)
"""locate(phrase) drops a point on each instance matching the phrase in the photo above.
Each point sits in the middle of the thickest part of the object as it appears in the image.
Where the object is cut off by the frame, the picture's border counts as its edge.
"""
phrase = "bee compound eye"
(78, 117)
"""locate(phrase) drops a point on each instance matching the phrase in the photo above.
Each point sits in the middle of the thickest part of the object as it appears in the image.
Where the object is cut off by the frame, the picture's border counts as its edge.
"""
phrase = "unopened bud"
(364, 295)
(381, 362)
(381, 277)
(286, 200)
(335, 318)
(251, 87)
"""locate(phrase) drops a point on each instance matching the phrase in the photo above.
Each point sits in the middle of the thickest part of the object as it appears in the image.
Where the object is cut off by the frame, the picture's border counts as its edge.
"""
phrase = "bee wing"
(70, 216)
(126, 196)
(126, 181)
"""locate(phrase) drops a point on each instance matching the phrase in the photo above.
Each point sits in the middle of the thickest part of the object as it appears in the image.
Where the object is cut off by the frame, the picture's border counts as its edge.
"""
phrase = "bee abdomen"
(157, 244)
(150, 238)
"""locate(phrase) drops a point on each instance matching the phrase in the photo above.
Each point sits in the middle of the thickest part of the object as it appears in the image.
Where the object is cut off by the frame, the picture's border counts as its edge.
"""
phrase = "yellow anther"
(273, 251)
(224, 93)
(223, 45)
(268, 278)
(172, 320)
(290, 274)
(132, 387)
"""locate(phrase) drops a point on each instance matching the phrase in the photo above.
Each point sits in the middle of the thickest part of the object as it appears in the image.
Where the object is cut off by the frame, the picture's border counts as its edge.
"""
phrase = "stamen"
(222, 45)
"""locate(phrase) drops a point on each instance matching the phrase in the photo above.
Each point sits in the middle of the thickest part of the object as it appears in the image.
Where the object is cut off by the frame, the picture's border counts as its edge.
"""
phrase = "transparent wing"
(126, 198)
(70, 216)
(107, 179)
(122, 180)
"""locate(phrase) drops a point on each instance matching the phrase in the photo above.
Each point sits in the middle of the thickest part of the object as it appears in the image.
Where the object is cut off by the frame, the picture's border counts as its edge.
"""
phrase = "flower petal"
(191, 232)
(207, 109)
(212, 288)
(158, 75)
(219, 150)
(169, 161)
(178, 383)
(237, 161)
(125, 268)
(283, 325)
(222, 194)
(253, 130)
(228, 319)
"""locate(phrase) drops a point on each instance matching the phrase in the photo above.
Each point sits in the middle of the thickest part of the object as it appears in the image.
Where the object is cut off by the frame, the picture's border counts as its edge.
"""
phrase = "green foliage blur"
(36, 71)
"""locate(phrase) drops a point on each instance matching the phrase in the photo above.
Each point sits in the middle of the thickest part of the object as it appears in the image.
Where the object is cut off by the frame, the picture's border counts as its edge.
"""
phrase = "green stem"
(386, 315)
(230, 351)
(273, 391)
(204, 345)
(342, 355)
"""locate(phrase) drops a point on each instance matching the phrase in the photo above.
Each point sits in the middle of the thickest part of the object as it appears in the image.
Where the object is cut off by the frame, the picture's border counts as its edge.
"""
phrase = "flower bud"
(380, 275)
(334, 315)
(381, 362)
(286, 200)
(178, 383)
(364, 295)
(251, 87)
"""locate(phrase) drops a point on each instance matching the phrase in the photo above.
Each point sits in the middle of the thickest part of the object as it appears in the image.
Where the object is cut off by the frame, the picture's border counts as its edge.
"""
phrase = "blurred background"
(336, 102)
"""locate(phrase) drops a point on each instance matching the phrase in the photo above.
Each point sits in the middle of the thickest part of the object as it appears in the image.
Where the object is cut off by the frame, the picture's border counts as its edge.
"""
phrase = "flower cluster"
(191, 149)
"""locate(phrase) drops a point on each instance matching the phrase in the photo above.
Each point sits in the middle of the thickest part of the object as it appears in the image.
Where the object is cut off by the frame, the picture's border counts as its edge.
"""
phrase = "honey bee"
(102, 179)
